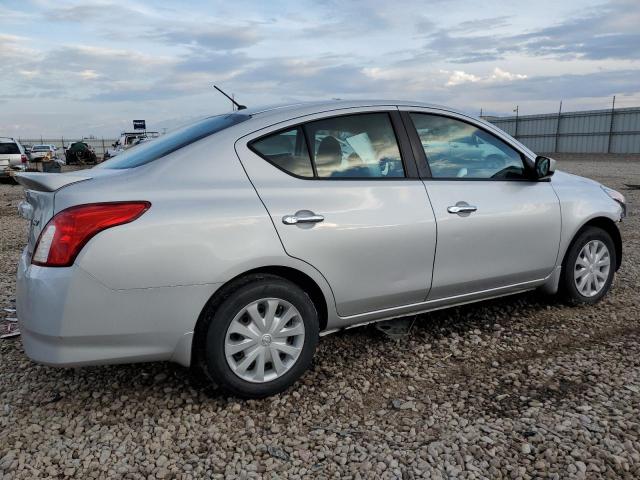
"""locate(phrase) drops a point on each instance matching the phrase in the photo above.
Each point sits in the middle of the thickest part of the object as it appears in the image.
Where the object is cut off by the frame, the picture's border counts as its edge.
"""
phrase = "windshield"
(9, 148)
(181, 137)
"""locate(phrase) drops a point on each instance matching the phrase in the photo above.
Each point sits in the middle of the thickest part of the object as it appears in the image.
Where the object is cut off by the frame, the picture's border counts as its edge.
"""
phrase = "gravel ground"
(521, 387)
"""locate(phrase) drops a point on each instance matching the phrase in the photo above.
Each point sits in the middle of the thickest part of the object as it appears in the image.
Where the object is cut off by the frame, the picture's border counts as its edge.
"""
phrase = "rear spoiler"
(49, 182)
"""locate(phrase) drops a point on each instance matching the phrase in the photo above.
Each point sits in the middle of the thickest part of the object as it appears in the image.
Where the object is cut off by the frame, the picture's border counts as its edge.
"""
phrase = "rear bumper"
(68, 318)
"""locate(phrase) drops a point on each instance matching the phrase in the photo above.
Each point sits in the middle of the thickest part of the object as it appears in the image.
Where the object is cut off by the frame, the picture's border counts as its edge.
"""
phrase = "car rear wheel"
(261, 338)
(589, 266)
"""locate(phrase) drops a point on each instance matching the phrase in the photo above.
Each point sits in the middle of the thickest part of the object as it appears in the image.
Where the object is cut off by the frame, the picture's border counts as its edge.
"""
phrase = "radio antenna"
(237, 105)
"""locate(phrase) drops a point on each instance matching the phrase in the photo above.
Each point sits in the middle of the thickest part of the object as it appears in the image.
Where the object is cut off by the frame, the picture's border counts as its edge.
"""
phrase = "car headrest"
(329, 151)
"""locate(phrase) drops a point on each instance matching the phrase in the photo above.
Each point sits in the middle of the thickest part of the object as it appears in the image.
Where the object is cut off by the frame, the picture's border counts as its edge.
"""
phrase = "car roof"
(7, 140)
(324, 105)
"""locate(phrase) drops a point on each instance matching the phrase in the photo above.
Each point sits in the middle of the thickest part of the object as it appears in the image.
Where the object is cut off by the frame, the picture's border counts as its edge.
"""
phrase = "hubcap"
(264, 340)
(592, 268)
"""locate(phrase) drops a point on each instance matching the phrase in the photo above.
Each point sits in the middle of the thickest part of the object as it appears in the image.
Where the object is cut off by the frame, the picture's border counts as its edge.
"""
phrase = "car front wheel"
(261, 338)
(589, 266)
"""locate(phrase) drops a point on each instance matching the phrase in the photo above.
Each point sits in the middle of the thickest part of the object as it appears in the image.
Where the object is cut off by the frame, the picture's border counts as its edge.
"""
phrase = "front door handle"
(303, 216)
(461, 208)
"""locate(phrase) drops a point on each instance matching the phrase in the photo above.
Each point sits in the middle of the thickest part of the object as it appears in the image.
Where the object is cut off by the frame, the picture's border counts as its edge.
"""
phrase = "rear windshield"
(181, 137)
(9, 148)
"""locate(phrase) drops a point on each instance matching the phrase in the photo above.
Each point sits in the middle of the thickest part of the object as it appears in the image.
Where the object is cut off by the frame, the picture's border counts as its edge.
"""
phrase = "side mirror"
(544, 167)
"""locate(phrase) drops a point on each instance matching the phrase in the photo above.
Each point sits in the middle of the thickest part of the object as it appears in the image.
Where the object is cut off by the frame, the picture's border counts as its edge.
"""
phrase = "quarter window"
(456, 149)
(286, 150)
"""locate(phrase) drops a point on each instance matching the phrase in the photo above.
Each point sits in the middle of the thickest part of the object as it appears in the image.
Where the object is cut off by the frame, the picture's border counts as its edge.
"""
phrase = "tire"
(259, 294)
(574, 262)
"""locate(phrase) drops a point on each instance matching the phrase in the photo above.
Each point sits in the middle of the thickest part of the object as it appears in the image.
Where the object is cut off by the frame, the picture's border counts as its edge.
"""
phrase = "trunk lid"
(40, 191)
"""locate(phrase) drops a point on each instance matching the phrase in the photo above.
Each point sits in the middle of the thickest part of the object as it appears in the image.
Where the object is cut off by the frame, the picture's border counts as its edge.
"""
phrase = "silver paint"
(384, 248)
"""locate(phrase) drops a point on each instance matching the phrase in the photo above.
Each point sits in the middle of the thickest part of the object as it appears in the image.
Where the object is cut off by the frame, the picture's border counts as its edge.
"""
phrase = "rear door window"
(159, 147)
(9, 148)
(356, 146)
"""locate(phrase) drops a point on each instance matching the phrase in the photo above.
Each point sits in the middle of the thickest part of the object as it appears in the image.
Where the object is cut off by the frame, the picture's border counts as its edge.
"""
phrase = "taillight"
(68, 231)
(23, 158)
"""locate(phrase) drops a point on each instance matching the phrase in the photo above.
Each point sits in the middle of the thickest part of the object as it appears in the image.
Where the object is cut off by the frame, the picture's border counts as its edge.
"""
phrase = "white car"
(40, 152)
(13, 157)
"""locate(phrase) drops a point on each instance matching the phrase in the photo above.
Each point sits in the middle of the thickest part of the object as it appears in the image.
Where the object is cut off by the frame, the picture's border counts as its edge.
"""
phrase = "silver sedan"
(231, 244)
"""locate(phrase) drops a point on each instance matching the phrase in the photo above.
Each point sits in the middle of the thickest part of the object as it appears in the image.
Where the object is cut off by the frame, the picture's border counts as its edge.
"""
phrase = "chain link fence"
(100, 145)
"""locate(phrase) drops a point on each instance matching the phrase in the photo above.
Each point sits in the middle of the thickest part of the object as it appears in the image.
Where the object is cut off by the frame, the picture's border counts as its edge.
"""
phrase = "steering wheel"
(495, 162)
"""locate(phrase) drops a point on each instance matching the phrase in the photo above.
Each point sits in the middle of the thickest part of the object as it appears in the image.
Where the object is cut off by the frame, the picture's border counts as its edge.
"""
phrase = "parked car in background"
(13, 157)
(43, 153)
(231, 243)
(128, 140)
(80, 153)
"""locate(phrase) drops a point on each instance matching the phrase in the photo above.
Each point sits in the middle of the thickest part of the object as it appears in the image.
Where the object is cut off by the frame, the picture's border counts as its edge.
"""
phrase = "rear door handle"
(302, 216)
(462, 207)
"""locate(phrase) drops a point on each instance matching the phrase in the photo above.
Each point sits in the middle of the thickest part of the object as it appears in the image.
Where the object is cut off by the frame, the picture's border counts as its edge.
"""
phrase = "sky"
(88, 68)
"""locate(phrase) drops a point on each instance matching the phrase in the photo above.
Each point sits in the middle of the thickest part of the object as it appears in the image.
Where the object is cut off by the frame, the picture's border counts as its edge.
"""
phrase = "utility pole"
(517, 110)
(555, 146)
(613, 107)
(480, 112)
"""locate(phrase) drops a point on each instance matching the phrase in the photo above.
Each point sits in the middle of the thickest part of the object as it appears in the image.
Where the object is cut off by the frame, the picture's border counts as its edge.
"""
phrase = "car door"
(497, 227)
(345, 198)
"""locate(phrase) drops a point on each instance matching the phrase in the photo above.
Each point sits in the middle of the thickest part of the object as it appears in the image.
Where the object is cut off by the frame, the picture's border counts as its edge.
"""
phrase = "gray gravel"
(515, 388)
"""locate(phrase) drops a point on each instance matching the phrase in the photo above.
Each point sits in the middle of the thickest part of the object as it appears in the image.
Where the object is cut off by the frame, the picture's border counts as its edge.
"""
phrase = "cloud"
(500, 75)
(558, 87)
(89, 75)
(482, 24)
(107, 58)
(596, 84)
(459, 77)
(14, 16)
(308, 78)
(12, 48)
(174, 28)
(442, 45)
(204, 35)
(610, 31)
(606, 32)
